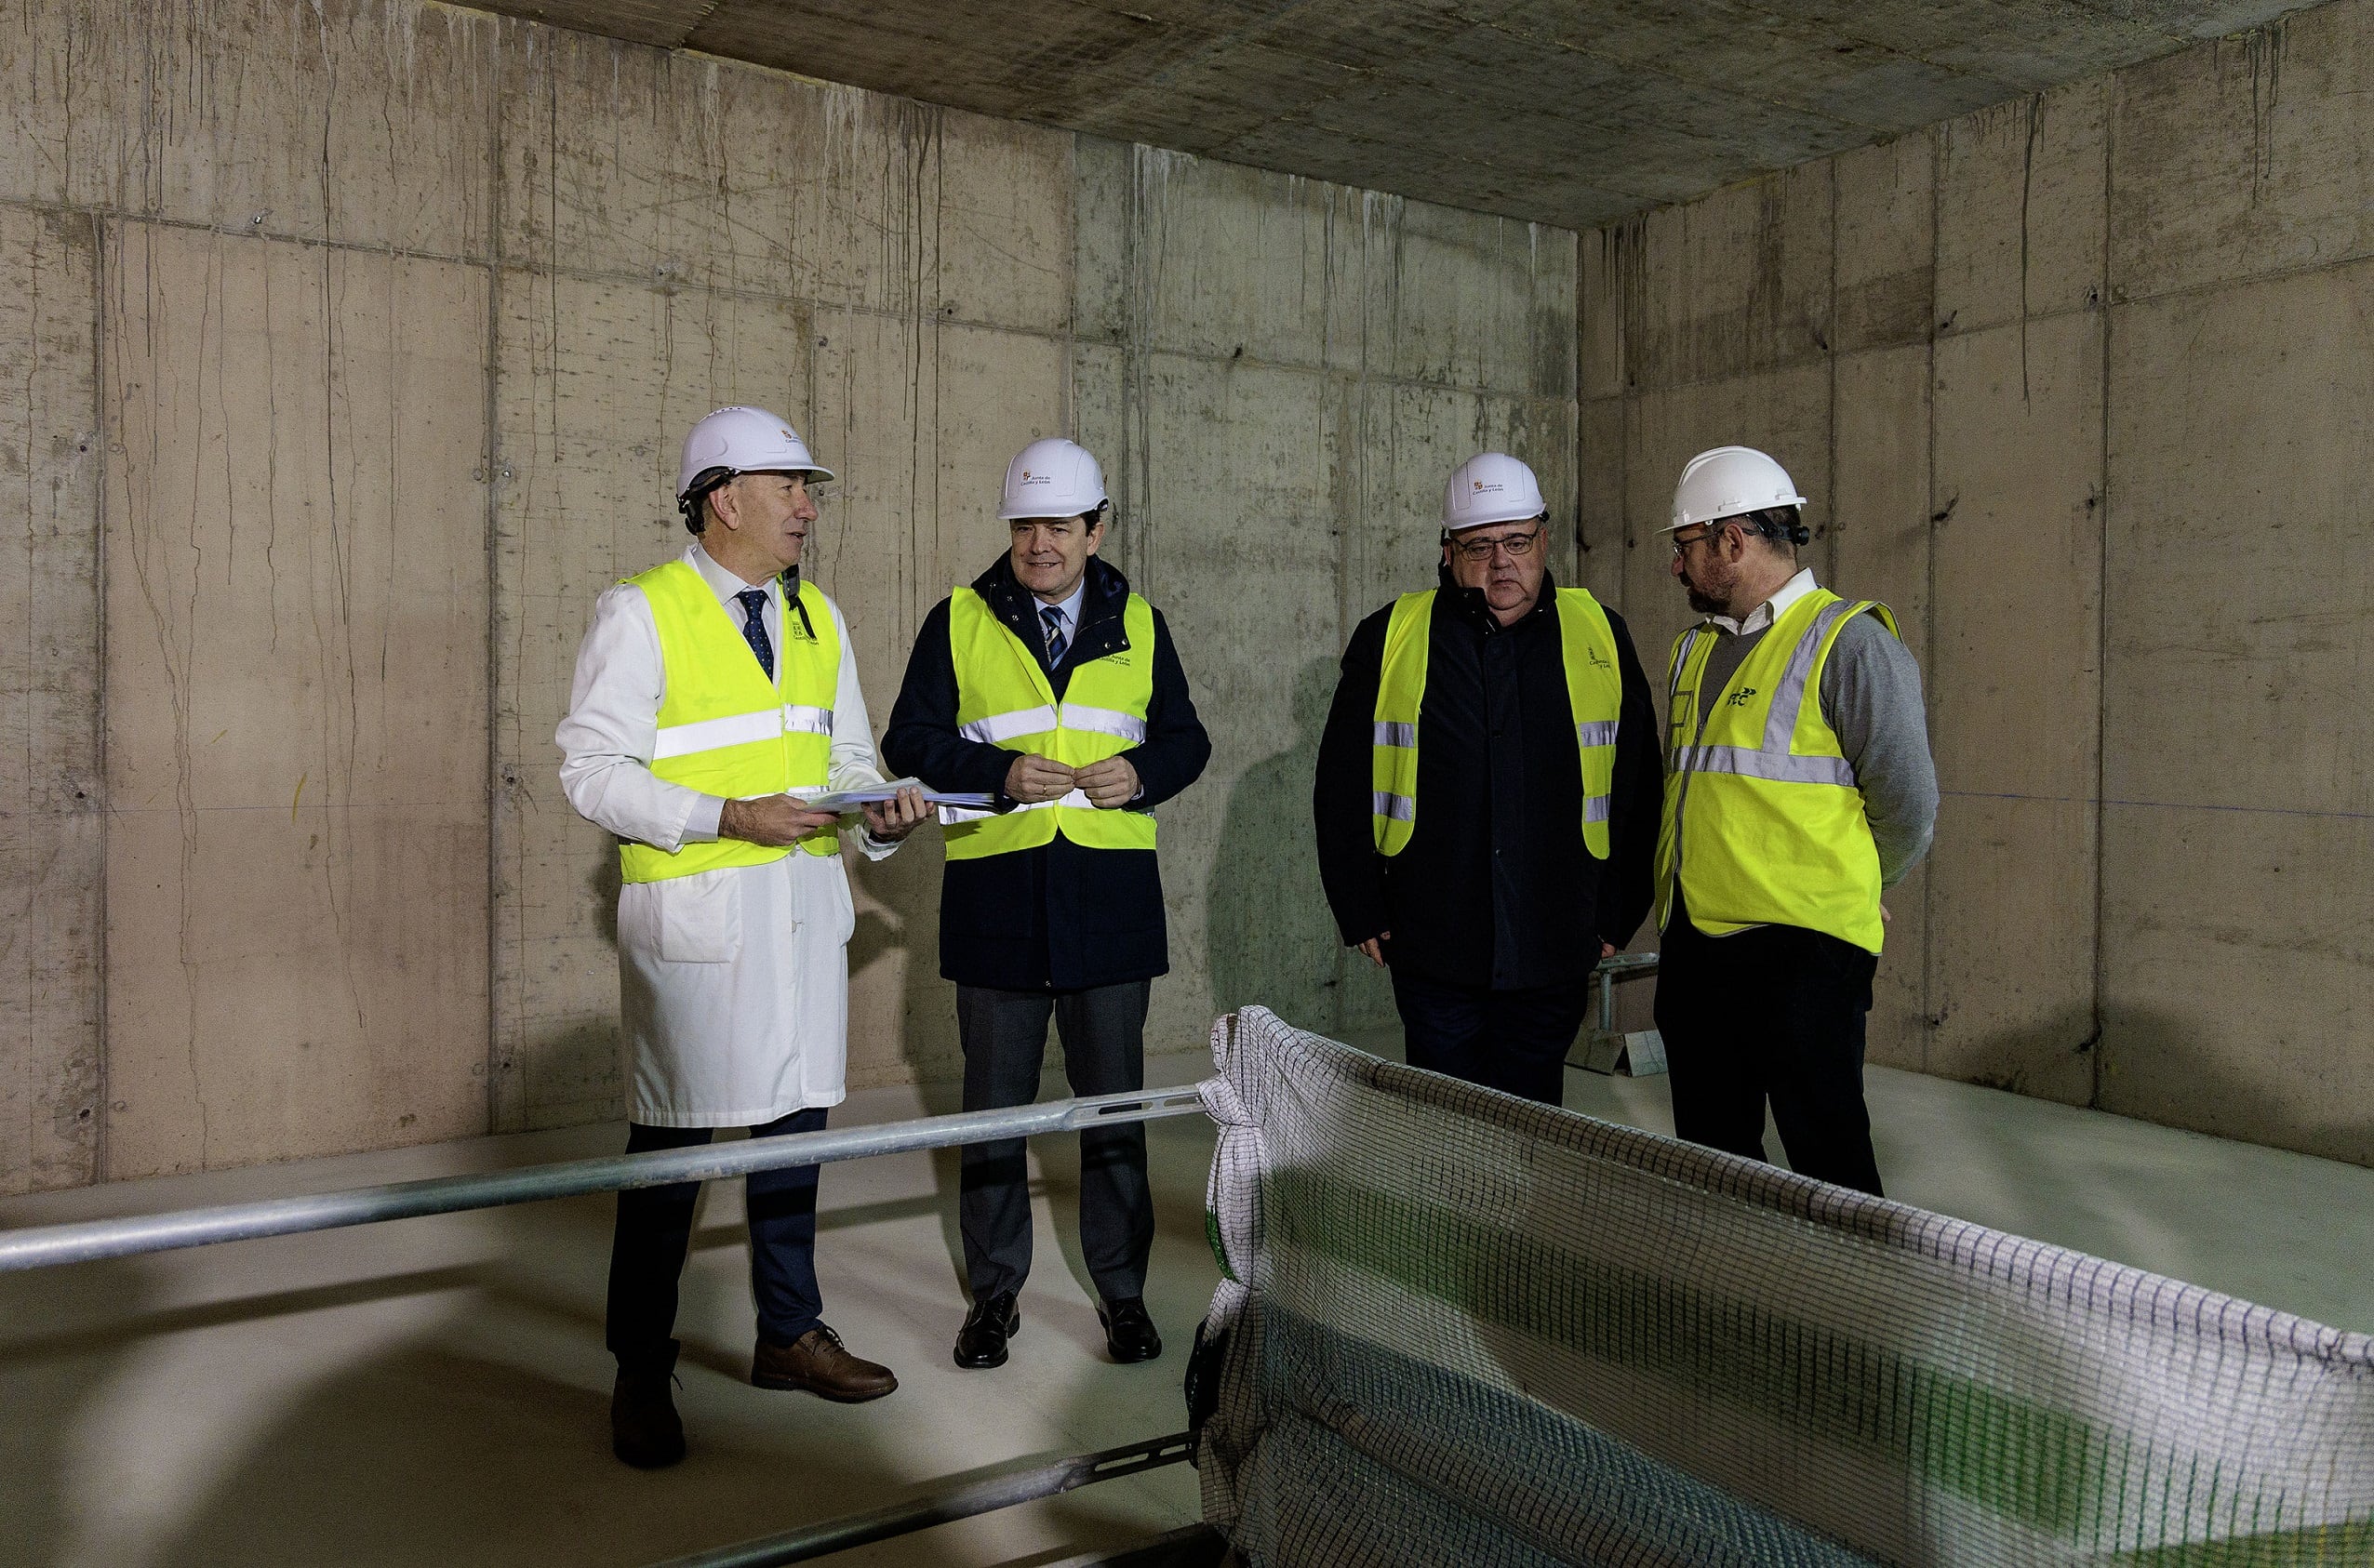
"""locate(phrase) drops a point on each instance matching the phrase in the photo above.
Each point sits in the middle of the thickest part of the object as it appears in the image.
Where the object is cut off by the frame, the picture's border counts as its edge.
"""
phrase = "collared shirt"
(1772, 609)
(1069, 609)
(613, 723)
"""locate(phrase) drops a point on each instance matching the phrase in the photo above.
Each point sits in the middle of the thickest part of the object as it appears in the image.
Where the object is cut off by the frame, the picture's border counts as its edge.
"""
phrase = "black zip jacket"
(1061, 917)
(1495, 888)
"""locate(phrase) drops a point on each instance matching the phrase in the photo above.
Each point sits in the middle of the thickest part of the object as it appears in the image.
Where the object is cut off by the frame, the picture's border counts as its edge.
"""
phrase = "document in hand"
(843, 802)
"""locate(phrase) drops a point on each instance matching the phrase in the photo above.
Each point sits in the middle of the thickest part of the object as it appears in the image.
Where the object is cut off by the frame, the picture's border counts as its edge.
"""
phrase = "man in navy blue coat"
(1067, 922)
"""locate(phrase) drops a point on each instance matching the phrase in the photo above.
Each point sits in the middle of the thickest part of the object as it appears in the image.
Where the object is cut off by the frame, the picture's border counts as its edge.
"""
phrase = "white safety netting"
(1461, 1328)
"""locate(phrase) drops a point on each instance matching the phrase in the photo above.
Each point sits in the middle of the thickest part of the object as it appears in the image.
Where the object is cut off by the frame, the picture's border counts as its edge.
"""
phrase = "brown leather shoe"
(818, 1363)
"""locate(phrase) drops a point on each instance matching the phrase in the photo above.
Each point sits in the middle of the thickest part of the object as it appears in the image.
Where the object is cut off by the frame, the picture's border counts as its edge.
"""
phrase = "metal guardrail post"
(1610, 967)
(45, 1246)
(961, 1501)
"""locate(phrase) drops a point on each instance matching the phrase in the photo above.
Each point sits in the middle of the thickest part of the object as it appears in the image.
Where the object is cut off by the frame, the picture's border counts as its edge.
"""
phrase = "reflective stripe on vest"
(1004, 700)
(1762, 823)
(1594, 696)
(725, 728)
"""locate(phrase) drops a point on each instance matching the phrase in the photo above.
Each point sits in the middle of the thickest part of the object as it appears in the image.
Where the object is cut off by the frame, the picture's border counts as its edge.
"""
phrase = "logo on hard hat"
(1482, 486)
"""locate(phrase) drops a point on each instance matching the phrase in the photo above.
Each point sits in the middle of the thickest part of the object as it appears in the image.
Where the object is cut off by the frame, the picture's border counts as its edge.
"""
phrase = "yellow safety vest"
(1763, 824)
(725, 728)
(1002, 697)
(1595, 691)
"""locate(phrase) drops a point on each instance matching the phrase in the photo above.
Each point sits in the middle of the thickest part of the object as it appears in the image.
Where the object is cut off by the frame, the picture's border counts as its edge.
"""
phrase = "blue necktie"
(754, 604)
(1056, 640)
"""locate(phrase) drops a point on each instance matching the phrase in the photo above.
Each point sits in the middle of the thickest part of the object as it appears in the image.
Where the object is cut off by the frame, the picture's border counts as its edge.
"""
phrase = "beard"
(1702, 602)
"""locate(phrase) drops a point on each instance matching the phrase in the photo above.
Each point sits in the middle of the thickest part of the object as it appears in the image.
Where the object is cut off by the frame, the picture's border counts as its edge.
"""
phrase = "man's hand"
(777, 821)
(893, 819)
(1885, 918)
(1113, 783)
(1375, 946)
(1606, 949)
(1034, 779)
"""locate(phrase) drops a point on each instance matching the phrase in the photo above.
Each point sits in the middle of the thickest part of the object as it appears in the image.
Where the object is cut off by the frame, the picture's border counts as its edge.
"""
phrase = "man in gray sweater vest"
(1798, 788)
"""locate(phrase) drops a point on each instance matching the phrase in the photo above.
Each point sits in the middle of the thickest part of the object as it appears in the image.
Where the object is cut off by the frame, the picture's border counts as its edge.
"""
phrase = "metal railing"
(47, 1246)
(1612, 969)
(961, 1501)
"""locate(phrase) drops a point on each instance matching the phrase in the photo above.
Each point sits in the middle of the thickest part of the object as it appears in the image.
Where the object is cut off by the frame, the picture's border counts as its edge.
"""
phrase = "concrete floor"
(433, 1390)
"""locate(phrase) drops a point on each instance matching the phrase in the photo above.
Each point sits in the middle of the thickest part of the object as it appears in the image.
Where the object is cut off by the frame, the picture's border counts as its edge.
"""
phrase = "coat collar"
(1469, 606)
(1104, 626)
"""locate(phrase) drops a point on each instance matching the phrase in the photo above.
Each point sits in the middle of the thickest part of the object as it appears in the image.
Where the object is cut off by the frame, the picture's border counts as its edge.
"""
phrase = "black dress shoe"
(981, 1342)
(645, 1430)
(1129, 1332)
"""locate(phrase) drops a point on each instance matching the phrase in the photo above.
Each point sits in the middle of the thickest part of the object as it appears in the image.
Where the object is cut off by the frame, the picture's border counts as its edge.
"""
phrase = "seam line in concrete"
(2101, 801)
(497, 792)
(641, 280)
(104, 1112)
(1646, 389)
(2098, 1066)
(1930, 1013)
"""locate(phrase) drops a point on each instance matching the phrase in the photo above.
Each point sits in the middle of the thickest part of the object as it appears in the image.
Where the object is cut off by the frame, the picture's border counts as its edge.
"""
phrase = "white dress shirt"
(1772, 609)
(1069, 609)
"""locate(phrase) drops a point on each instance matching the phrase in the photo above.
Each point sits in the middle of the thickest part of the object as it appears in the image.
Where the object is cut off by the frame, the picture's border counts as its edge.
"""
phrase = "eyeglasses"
(1682, 545)
(1519, 546)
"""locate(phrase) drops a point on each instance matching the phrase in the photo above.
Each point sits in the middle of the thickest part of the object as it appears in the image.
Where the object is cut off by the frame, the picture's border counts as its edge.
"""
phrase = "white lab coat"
(733, 984)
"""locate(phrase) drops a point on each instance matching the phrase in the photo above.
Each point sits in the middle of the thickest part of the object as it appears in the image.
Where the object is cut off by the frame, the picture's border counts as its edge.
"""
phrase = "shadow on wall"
(1271, 937)
(2232, 1084)
(602, 885)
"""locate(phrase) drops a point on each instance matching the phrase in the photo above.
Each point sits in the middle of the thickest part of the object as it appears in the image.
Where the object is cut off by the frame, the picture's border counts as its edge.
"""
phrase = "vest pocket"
(700, 917)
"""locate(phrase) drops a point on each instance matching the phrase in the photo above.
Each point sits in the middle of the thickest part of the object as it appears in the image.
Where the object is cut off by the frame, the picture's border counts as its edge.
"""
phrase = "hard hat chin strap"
(1779, 522)
(688, 504)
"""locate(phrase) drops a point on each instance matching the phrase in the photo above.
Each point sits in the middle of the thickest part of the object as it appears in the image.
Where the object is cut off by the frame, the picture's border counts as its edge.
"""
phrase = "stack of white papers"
(843, 802)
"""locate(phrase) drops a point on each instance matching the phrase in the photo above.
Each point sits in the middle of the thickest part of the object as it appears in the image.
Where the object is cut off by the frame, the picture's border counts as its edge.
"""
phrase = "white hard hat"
(1491, 488)
(1728, 481)
(1052, 478)
(743, 440)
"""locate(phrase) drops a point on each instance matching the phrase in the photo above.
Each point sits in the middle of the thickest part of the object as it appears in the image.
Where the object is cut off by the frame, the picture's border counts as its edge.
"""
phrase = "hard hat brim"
(1468, 525)
(812, 472)
(1006, 515)
(1727, 516)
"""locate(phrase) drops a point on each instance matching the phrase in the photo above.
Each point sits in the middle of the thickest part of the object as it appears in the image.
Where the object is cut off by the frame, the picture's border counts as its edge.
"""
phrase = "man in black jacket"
(1488, 794)
(1051, 688)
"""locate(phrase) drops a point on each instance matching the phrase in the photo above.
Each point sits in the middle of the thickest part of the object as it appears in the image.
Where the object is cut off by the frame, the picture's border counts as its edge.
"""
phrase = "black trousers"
(1512, 1041)
(1004, 1039)
(1777, 1014)
(655, 1229)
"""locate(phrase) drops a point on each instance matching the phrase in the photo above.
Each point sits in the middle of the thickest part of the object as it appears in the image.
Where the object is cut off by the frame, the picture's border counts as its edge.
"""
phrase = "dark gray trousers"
(1004, 1039)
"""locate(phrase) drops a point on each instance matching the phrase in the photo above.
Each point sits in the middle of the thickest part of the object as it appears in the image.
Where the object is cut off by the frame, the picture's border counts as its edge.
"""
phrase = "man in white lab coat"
(712, 692)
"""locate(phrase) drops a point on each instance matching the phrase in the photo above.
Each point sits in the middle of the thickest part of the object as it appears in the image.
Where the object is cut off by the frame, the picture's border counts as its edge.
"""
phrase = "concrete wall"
(344, 352)
(2083, 387)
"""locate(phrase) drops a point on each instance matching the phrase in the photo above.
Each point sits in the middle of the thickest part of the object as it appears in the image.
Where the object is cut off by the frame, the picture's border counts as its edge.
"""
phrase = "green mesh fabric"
(1462, 1328)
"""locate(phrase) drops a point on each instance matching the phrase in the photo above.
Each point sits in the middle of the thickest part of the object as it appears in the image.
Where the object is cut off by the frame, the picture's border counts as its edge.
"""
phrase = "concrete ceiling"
(1570, 112)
